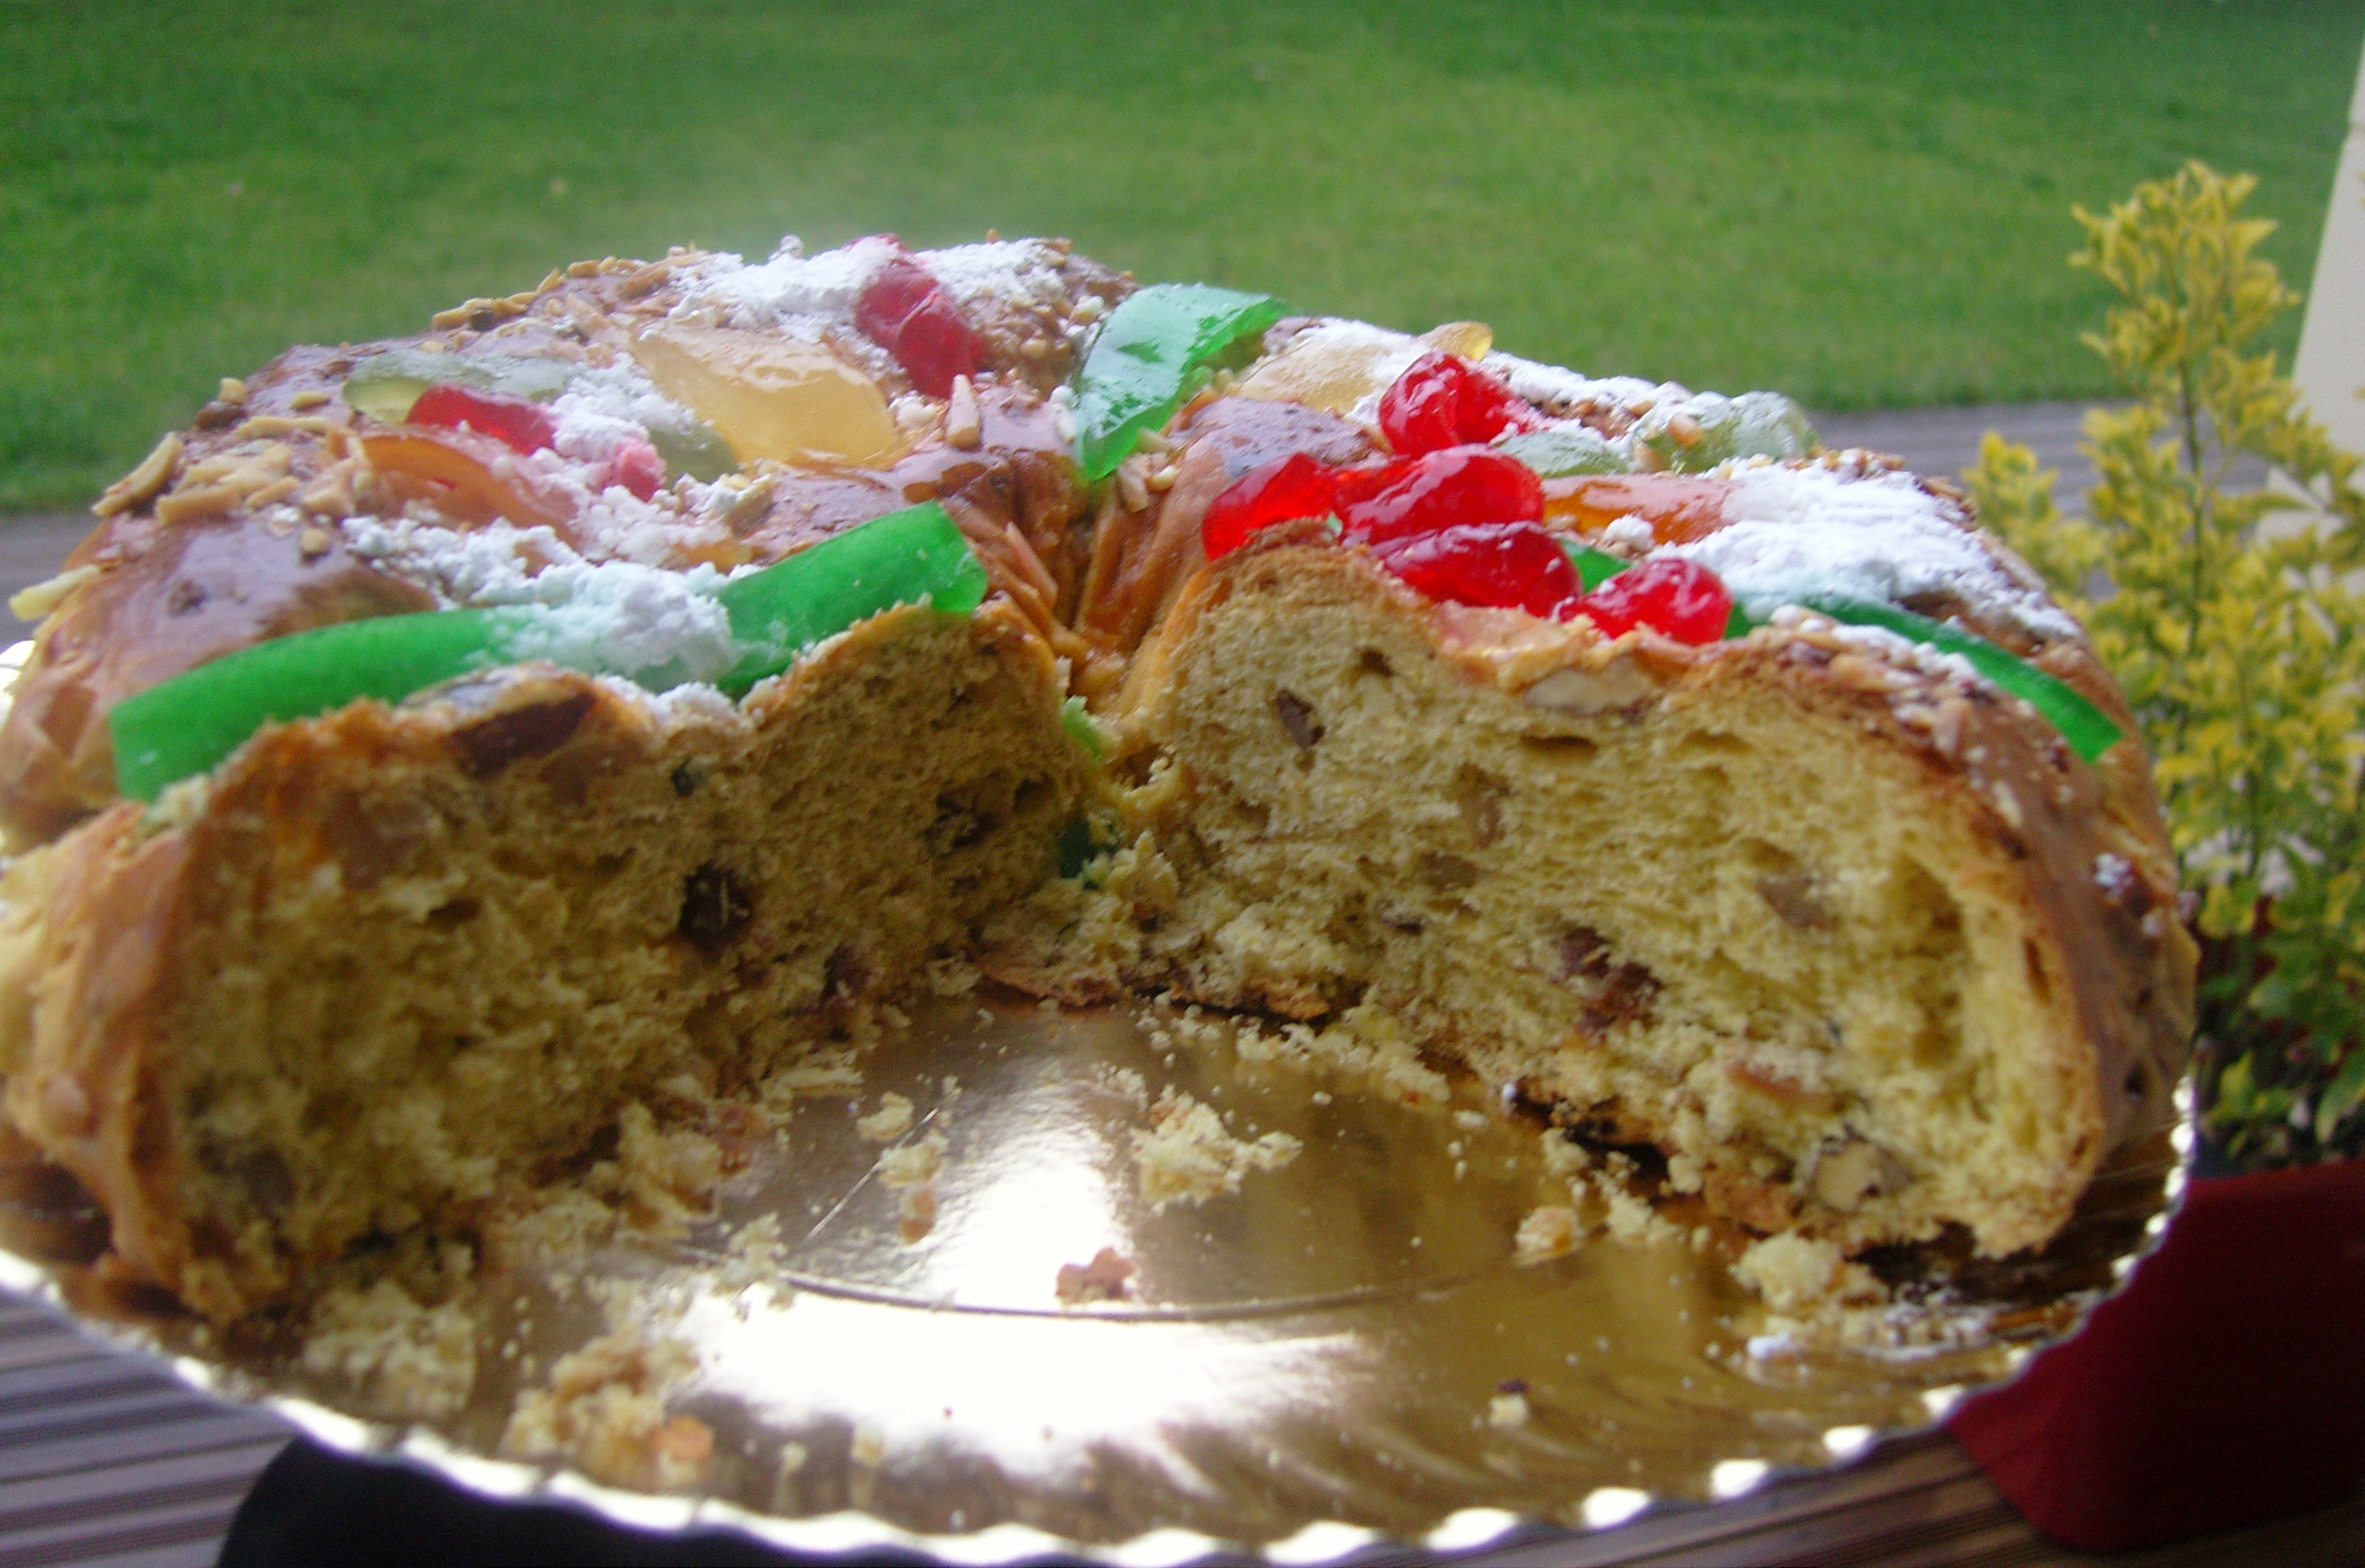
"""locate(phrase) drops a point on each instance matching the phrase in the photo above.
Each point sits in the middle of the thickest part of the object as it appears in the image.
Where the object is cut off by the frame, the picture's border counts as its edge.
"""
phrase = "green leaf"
(2342, 1095)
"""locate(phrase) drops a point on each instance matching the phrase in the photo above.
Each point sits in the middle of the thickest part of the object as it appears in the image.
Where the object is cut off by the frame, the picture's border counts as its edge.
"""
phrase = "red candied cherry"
(520, 426)
(1298, 485)
(1444, 400)
(1514, 566)
(1668, 593)
(908, 313)
(636, 466)
(1437, 489)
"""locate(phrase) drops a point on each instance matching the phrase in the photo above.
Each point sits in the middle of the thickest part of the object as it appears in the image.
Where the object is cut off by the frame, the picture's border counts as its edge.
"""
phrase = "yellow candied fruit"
(791, 402)
(1337, 364)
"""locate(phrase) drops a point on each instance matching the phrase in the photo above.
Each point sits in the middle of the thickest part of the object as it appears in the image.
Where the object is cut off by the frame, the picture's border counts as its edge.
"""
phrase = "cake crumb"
(913, 1164)
(1633, 1219)
(1564, 1156)
(1797, 1273)
(951, 976)
(603, 1408)
(1508, 1411)
(910, 1170)
(405, 1361)
(754, 1259)
(890, 1122)
(1188, 1154)
(1106, 1278)
(1549, 1231)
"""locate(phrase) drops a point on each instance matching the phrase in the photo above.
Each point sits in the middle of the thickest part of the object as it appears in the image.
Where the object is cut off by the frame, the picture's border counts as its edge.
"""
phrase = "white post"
(2330, 368)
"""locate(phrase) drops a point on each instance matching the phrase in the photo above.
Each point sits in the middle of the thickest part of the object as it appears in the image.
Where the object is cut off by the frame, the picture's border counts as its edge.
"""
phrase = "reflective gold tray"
(1340, 1350)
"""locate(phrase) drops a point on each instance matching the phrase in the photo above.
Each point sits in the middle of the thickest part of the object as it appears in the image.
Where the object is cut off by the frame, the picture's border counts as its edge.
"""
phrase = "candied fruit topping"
(1680, 507)
(1437, 489)
(908, 313)
(636, 466)
(1514, 566)
(790, 401)
(1298, 486)
(1680, 597)
(520, 426)
(1444, 400)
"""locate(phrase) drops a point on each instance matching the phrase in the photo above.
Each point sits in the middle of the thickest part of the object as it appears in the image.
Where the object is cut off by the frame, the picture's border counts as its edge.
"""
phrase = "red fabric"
(2224, 1385)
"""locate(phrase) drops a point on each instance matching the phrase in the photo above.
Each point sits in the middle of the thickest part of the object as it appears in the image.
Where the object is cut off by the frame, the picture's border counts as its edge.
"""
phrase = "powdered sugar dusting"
(804, 296)
(658, 626)
(1564, 392)
(660, 629)
(601, 407)
(999, 275)
(1800, 532)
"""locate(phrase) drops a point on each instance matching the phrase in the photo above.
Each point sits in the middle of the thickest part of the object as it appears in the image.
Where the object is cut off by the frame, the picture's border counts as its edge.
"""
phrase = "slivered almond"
(964, 422)
(144, 481)
(35, 603)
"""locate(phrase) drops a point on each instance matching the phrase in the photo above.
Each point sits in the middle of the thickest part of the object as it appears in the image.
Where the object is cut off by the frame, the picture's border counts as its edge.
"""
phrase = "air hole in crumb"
(686, 776)
(847, 972)
(1559, 748)
(716, 905)
(452, 915)
(2038, 980)
(1371, 661)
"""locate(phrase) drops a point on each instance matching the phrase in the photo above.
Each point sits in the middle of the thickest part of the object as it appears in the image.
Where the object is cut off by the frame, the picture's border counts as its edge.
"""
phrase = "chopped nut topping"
(964, 424)
(647, 280)
(263, 425)
(143, 482)
(35, 603)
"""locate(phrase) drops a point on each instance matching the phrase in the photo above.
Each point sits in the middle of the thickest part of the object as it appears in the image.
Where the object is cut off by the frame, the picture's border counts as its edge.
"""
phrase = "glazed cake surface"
(1847, 930)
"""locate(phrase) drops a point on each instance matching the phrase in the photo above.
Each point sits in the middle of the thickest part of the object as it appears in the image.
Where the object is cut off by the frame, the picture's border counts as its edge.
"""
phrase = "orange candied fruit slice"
(1680, 507)
(446, 472)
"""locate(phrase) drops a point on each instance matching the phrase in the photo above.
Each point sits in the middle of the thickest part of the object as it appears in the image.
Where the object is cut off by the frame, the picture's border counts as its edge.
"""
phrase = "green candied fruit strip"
(188, 724)
(903, 558)
(1146, 358)
(185, 725)
(1565, 451)
(2089, 731)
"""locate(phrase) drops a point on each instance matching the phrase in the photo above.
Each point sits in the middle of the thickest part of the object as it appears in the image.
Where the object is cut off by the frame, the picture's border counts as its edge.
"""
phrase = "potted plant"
(2226, 1382)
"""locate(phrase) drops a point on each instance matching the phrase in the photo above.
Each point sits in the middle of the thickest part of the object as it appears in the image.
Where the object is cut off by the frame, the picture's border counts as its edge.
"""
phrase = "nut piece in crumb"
(1188, 1153)
(890, 1122)
(1108, 1277)
(1549, 1231)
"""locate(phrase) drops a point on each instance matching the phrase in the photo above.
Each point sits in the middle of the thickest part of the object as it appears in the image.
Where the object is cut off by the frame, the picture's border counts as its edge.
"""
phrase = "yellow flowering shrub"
(2235, 619)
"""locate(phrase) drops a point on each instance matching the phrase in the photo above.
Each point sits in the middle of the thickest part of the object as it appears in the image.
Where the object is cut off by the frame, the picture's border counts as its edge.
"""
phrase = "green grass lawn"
(1862, 202)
